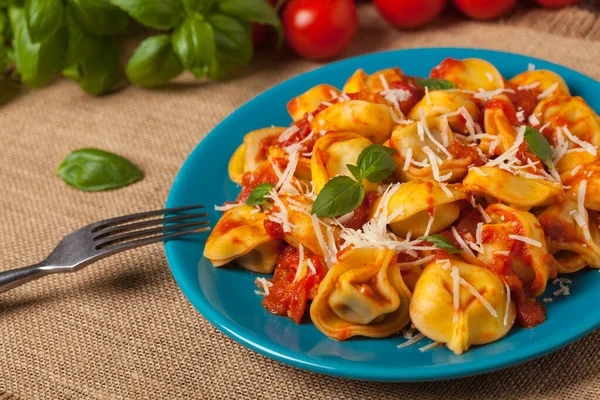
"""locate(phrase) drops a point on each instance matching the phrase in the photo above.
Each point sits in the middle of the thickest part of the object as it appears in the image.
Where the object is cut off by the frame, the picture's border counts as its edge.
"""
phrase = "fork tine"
(133, 217)
(102, 233)
(154, 239)
(138, 234)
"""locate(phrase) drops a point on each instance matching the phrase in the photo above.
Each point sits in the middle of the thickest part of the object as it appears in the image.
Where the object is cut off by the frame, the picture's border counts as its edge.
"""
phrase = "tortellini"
(419, 146)
(249, 154)
(519, 192)
(374, 82)
(415, 203)
(572, 246)
(541, 80)
(440, 102)
(591, 175)
(469, 74)
(310, 100)
(240, 235)
(520, 234)
(362, 295)
(371, 120)
(331, 155)
(499, 121)
(581, 123)
(433, 311)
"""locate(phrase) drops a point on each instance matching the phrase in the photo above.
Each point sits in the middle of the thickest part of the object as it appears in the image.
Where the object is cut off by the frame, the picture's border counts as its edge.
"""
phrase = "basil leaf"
(158, 14)
(94, 170)
(36, 62)
(339, 196)
(5, 31)
(257, 196)
(539, 145)
(80, 44)
(355, 171)
(435, 84)
(154, 62)
(441, 242)
(253, 10)
(204, 7)
(98, 72)
(194, 44)
(44, 17)
(233, 39)
(376, 162)
(98, 17)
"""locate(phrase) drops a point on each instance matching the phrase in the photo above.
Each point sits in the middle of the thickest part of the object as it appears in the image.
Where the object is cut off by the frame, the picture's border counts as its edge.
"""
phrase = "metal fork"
(105, 238)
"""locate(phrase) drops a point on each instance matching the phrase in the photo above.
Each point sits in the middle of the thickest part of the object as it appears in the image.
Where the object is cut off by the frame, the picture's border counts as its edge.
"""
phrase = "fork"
(105, 238)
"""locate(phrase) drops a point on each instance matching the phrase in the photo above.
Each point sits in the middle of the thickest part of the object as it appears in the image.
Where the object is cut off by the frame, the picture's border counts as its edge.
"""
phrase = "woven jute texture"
(121, 329)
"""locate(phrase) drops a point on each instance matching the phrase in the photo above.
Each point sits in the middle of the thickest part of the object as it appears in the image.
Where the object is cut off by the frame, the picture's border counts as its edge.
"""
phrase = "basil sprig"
(76, 37)
(442, 243)
(257, 196)
(94, 170)
(342, 194)
(435, 84)
(539, 145)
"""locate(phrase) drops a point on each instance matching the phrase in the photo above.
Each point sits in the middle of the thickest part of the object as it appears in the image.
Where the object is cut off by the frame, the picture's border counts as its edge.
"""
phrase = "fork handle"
(16, 277)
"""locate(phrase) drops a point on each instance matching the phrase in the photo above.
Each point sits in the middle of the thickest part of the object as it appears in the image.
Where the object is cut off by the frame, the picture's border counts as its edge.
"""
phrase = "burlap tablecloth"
(121, 329)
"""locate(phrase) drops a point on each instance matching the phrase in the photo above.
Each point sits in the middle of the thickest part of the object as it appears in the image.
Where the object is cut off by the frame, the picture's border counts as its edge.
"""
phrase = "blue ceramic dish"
(226, 298)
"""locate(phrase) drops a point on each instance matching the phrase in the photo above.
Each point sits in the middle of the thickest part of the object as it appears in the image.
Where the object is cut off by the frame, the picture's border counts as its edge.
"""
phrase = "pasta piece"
(237, 163)
(499, 121)
(573, 124)
(373, 83)
(521, 234)
(332, 153)
(240, 235)
(519, 192)
(415, 203)
(371, 120)
(422, 143)
(572, 247)
(540, 81)
(362, 295)
(461, 305)
(591, 174)
(310, 100)
(469, 74)
(442, 102)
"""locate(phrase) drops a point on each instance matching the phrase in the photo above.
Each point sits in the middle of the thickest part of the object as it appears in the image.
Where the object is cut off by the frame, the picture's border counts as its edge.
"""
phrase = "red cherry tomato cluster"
(322, 29)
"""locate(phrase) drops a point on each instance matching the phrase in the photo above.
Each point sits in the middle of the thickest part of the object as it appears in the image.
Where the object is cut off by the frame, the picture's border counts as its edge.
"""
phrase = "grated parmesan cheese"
(321, 239)
(526, 239)
(529, 87)
(530, 67)
(461, 242)
(507, 303)
(584, 145)
(487, 95)
(408, 159)
(484, 215)
(227, 206)
(547, 92)
(288, 133)
(479, 297)
(533, 120)
(430, 346)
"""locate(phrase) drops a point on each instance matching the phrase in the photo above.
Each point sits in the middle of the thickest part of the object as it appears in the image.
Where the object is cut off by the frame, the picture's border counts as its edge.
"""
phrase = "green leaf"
(158, 14)
(376, 162)
(257, 196)
(94, 170)
(339, 196)
(99, 70)
(233, 39)
(44, 18)
(539, 145)
(435, 84)
(4, 25)
(441, 242)
(154, 62)
(355, 171)
(98, 17)
(253, 10)
(36, 62)
(204, 7)
(194, 44)
(80, 44)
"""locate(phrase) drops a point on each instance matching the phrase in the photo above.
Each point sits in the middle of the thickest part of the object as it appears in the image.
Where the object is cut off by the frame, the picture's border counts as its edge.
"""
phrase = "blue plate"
(226, 296)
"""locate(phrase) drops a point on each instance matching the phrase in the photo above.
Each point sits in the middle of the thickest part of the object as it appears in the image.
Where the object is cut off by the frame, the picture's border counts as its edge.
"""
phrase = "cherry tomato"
(261, 32)
(485, 9)
(556, 3)
(409, 13)
(319, 29)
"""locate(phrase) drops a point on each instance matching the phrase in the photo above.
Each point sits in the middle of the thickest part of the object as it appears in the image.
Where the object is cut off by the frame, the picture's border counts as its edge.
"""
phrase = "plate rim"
(426, 373)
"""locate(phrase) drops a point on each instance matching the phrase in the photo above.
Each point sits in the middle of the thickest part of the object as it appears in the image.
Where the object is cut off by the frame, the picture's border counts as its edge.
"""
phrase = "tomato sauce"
(446, 67)
(273, 141)
(416, 92)
(506, 107)
(252, 179)
(274, 229)
(287, 297)
(462, 152)
(361, 213)
(524, 99)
